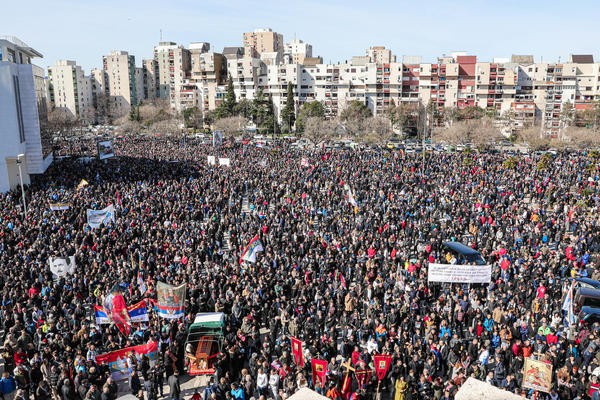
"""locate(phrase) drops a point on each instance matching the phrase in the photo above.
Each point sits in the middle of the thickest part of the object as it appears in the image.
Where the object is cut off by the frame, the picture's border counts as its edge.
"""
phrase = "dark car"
(464, 254)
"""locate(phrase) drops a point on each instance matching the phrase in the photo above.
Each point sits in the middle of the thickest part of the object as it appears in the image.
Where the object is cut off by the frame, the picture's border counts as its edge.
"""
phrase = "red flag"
(504, 264)
(319, 370)
(119, 199)
(346, 386)
(343, 281)
(114, 304)
(362, 376)
(297, 351)
(382, 364)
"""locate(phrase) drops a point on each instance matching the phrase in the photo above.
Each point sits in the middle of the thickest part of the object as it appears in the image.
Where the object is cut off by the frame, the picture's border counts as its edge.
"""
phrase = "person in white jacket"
(262, 381)
(274, 383)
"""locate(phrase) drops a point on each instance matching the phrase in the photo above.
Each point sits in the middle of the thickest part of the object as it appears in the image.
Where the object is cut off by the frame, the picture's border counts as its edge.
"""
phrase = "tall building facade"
(173, 66)
(263, 41)
(119, 68)
(19, 114)
(71, 91)
(297, 51)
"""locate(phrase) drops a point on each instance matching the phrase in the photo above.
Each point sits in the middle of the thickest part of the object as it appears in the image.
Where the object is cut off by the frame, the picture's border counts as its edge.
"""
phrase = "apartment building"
(262, 41)
(297, 51)
(71, 91)
(208, 74)
(21, 91)
(246, 73)
(380, 55)
(119, 68)
(173, 66)
(150, 79)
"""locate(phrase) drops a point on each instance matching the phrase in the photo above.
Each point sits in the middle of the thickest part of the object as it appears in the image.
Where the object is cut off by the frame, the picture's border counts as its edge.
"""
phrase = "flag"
(319, 370)
(304, 162)
(362, 376)
(101, 317)
(138, 312)
(117, 360)
(95, 218)
(82, 184)
(61, 266)
(141, 283)
(170, 300)
(116, 310)
(59, 206)
(382, 364)
(343, 281)
(297, 351)
(568, 304)
(250, 251)
(119, 200)
(351, 199)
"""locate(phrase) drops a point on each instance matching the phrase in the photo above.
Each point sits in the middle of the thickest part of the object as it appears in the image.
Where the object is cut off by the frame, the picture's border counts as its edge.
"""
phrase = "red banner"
(118, 360)
(382, 364)
(362, 376)
(319, 370)
(297, 351)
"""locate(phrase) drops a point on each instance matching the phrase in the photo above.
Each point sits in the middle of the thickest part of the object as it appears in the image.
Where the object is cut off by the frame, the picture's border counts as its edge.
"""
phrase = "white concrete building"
(173, 67)
(298, 51)
(119, 67)
(70, 90)
(19, 118)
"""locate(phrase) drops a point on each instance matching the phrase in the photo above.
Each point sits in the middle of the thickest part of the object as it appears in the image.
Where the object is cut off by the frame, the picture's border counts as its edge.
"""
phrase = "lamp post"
(20, 159)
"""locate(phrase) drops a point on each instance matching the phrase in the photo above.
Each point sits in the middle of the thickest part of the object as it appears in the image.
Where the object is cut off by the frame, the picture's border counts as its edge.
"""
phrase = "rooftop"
(21, 45)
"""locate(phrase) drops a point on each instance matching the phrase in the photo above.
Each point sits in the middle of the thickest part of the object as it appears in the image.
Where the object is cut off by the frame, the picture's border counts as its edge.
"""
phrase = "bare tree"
(62, 122)
(129, 127)
(167, 127)
(533, 137)
(318, 130)
(375, 130)
(476, 131)
(583, 138)
(231, 126)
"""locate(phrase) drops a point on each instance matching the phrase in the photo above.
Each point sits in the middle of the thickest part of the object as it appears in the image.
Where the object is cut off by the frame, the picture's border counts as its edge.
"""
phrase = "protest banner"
(95, 218)
(59, 206)
(224, 162)
(537, 375)
(61, 266)
(211, 160)
(105, 150)
(118, 360)
(170, 300)
(452, 273)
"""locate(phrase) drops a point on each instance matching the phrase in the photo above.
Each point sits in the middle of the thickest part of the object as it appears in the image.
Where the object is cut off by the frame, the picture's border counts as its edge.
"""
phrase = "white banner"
(224, 161)
(60, 266)
(95, 218)
(459, 273)
(210, 160)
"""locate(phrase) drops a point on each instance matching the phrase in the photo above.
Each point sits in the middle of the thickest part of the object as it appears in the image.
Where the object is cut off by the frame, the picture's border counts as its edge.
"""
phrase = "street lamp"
(20, 159)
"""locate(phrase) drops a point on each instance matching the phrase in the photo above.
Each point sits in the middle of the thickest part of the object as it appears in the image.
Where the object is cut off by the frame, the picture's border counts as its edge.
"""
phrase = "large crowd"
(348, 280)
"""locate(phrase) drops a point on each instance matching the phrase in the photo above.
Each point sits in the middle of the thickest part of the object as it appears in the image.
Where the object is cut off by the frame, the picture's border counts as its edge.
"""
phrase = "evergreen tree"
(288, 113)
(230, 101)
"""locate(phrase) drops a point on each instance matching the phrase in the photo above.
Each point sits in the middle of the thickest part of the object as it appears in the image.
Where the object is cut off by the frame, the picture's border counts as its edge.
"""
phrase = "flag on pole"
(141, 284)
(297, 351)
(82, 184)
(319, 371)
(116, 310)
(119, 200)
(568, 305)
(351, 198)
(343, 281)
(101, 317)
(250, 251)
(382, 364)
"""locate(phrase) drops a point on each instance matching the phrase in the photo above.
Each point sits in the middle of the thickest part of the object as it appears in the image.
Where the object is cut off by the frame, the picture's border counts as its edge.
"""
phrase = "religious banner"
(61, 266)
(170, 300)
(537, 375)
(382, 364)
(453, 273)
(362, 376)
(319, 371)
(297, 351)
(118, 360)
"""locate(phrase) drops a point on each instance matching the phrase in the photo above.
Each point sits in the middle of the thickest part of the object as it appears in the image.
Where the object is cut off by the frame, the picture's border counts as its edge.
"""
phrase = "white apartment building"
(208, 75)
(173, 63)
(71, 91)
(380, 55)
(298, 51)
(19, 115)
(245, 73)
(119, 68)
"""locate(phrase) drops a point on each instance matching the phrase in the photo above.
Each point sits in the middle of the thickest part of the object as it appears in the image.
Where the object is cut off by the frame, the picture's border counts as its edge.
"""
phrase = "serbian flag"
(119, 200)
(343, 281)
(362, 376)
(250, 251)
(138, 312)
(101, 317)
(117, 360)
(297, 351)
(319, 370)
(382, 364)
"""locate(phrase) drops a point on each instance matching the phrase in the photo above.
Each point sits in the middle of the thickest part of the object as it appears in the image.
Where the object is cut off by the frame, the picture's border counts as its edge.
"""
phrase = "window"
(17, 91)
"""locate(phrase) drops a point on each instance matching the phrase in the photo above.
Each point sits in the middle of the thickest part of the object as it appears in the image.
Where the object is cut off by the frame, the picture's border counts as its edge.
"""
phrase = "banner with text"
(459, 273)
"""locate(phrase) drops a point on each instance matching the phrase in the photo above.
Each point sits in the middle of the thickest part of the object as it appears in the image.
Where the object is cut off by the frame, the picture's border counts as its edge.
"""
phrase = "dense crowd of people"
(349, 280)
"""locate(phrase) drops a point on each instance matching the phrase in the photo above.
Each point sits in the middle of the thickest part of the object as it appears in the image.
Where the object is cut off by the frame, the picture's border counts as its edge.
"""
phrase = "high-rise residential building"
(21, 91)
(71, 91)
(173, 67)
(150, 72)
(263, 41)
(298, 51)
(380, 55)
(139, 84)
(208, 73)
(119, 67)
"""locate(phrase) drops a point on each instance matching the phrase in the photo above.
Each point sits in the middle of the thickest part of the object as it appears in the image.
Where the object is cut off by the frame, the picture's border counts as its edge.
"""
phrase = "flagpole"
(377, 394)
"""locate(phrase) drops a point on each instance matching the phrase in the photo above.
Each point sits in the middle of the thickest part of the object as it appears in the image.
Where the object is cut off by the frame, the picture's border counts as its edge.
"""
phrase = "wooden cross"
(349, 368)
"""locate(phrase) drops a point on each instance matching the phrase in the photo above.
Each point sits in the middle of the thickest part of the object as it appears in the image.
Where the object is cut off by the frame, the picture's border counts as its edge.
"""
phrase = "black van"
(464, 254)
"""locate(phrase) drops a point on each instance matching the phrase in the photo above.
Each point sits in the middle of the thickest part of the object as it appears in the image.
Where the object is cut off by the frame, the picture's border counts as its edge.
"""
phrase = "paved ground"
(188, 385)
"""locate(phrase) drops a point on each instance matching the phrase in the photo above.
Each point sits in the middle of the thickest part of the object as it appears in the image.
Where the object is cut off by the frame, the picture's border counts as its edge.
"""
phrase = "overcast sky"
(84, 30)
